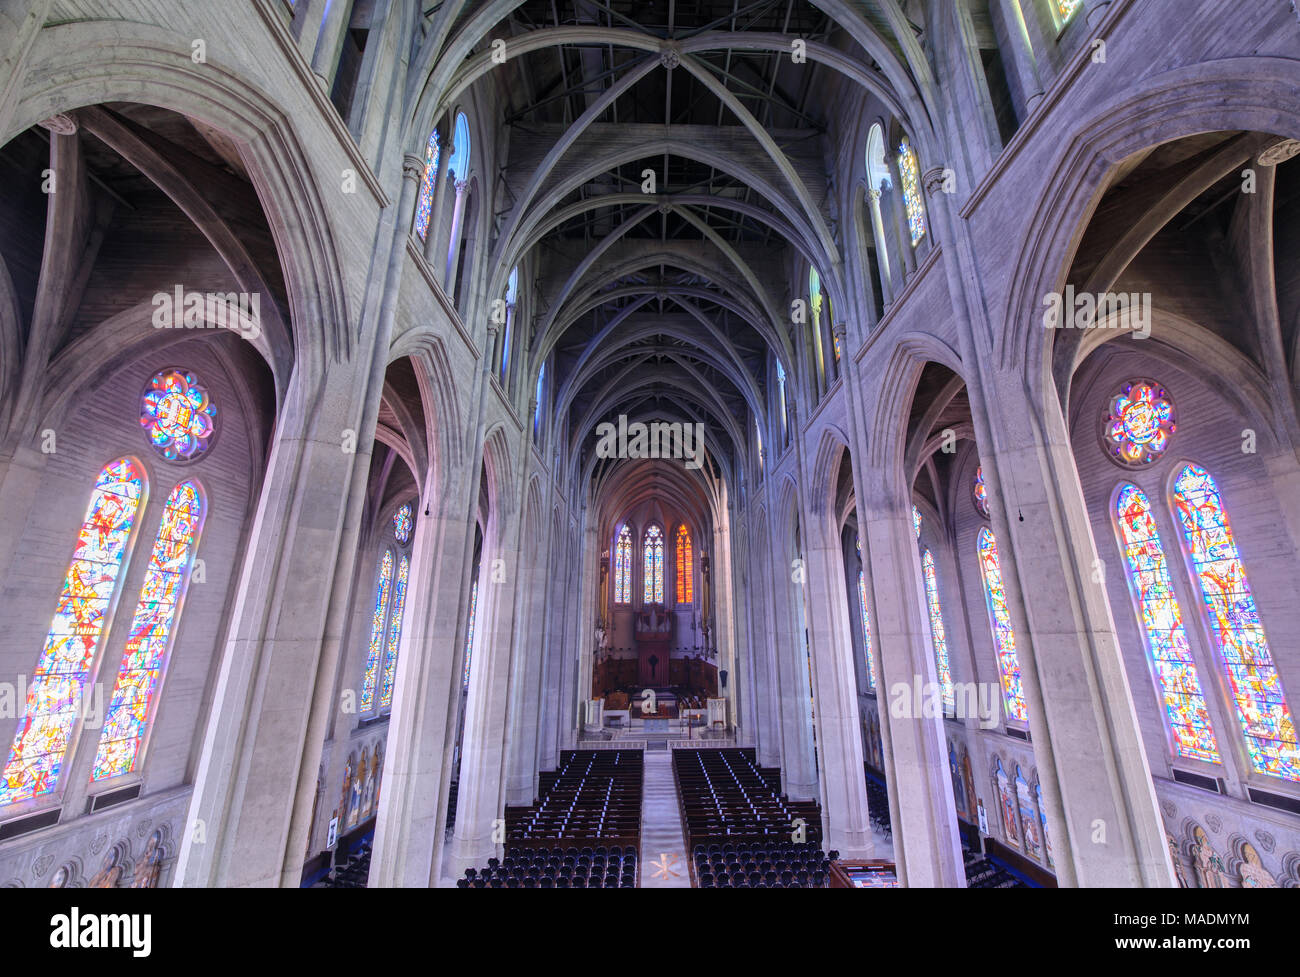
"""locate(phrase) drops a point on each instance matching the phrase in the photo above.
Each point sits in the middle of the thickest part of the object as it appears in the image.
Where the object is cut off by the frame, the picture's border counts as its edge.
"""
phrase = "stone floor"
(664, 858)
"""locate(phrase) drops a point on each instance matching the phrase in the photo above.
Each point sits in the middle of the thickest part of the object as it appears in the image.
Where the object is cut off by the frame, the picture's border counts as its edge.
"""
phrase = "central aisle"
(664, 859)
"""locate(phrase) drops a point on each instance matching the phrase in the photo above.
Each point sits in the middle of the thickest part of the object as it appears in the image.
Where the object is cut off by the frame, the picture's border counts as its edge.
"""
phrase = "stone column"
(883, 263)
(762, 650)
(453, 241)
(798, 765)
(839, 738)
(926, 844)
(1022, 62)
(329, 43)
(1102, 812)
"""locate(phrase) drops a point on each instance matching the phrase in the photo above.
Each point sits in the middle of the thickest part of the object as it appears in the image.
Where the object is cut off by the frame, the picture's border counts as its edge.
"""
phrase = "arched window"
(423, 210)
(383, 592)
(1004, 638)
(148, 643)
(916, 522)
(878, 178)
(1028, 816)
(394, 633)
(1162, 622)
(815, 299)
(541, 400)
(937, 634)
(1007, 804)
(1235, 626)
(653, 579)
(512, 296)
(623, 567)
(80, 618)
(685, 566)
(458, 165)
(866, 621)
(469, 632)
(980, 493)
(909, 172)
(780, 392)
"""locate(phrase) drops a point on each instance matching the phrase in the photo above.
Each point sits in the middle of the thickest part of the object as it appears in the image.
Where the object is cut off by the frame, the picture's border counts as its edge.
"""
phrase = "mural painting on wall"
(1207, 863)
(1253, 873)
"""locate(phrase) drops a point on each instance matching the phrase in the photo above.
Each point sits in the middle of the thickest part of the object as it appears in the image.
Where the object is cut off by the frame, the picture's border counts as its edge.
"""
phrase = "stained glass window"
(394, 633)
(866, 621)
(80, 617)
(685, 566)
(147, 644)
(424, 209)
(1065, 8)
(909, 171)
(916, 522)
(1004, 638)
(937, 633)
(1028, 815)
(623, 567)
(1008, 805)
(1140, 423)
(1235, 626)
(178, 415)
(980, 493)
(469, 633)
(1162, 622)
(383, 591)
(653, 581)
(402, 523)
(780, 388)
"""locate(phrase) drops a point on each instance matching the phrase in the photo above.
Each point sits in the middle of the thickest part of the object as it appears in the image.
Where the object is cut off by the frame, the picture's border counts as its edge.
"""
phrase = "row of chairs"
(593, 795)
(726, 796)
(353, 874)
(757, 865)
(878, 805)
(983, 873)
(595, 867)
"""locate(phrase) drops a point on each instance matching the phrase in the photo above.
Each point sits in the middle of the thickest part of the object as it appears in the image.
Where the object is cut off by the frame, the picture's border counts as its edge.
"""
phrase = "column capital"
(412, 167)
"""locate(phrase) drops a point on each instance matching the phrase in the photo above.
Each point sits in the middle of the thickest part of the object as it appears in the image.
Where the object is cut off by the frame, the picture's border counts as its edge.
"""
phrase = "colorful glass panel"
(1162, 622)
(178, 415)
(938, 635)
(909, 171)
(866, 629)
(1235, 626)
(980, 493)
(424, 208)
(394, 634)
(148, 643)
(1004, 637)
(402, 523)
(1065, 8)
(53, 701)
(685, 567)
(653, 581)
(383, 591)
(1140, 422)
(623, 567)
(916, 522)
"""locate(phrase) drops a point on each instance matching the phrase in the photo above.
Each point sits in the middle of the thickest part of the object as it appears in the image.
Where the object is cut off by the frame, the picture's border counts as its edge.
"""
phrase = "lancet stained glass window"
(394, 633)
(685, 566)
(653, 581)
(1004, 637)
(178, 415)
(1162, 622)
(1235, 626)
(866, 621)
(383, 591)
(54, 697)
(623, 567)
(937, 633)
(424, 209)
(909, 172)
(402, 523)
(916, 521)
(980, 493)
(149, 641)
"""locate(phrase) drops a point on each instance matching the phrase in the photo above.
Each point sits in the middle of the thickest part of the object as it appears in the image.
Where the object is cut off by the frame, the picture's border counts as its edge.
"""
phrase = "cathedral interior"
(649, 444)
